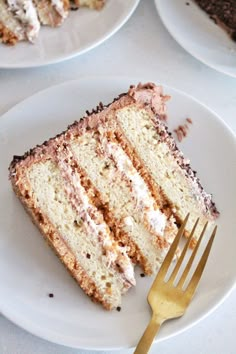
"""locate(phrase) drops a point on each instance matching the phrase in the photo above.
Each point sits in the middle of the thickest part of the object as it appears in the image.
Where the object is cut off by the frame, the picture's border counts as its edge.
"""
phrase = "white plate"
(83, 30)
(29, 270)
(196, 33)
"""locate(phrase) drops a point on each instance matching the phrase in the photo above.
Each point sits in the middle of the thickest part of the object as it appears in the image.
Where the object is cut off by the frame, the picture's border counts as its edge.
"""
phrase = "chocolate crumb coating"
(222, 13)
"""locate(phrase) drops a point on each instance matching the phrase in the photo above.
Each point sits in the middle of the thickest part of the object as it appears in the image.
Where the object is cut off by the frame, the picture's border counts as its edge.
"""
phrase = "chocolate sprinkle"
(50, 295)
(142, 275)
(118, 308)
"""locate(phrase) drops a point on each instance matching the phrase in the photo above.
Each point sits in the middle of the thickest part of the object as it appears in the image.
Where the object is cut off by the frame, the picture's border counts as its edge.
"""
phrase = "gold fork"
(166, 300)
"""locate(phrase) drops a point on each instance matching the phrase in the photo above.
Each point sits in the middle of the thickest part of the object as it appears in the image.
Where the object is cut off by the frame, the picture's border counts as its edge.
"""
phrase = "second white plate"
(198, 35)
(29, 270)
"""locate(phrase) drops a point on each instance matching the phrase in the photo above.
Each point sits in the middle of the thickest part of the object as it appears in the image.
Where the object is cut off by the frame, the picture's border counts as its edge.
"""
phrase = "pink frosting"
(150, 94)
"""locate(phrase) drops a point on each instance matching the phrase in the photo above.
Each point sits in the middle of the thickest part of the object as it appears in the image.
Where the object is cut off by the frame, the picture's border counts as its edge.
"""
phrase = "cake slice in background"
(22, 19)
(222, 12)
(110, 191)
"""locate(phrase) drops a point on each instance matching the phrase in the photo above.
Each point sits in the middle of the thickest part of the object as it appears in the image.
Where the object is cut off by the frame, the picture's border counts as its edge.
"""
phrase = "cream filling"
(25, 11)
(114, 253)
(10, 22)
(145, 202)
(59, 6)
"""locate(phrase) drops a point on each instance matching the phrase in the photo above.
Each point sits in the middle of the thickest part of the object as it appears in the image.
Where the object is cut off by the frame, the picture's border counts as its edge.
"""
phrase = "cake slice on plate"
(222, 12)
(110, 191)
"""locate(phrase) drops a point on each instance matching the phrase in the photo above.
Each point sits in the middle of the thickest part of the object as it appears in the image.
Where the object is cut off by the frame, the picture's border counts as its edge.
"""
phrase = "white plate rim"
(186, 48)
(76, 53)
(36, 331)
(41, 334)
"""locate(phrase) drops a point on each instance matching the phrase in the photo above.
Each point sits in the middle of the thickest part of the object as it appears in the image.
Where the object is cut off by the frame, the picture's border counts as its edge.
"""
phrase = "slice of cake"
(110, 191)
(22, 19)
(222, 12)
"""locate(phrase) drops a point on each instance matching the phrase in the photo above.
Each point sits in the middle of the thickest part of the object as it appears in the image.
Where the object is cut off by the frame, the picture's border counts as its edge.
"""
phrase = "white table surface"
(142, 48)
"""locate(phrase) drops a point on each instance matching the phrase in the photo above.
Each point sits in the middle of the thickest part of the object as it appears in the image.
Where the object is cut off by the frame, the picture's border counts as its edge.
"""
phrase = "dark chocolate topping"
(220, 10)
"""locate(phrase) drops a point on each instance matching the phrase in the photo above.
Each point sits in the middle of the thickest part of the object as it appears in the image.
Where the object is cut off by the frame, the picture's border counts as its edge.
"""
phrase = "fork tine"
(199, 270)
(168, 259)
(191, 259)
(183, 253)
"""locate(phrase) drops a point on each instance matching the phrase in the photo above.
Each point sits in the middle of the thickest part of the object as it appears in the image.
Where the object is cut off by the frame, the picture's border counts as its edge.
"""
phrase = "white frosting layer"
(157, 220)
(144, 199)
(25, 11)
(59, 6)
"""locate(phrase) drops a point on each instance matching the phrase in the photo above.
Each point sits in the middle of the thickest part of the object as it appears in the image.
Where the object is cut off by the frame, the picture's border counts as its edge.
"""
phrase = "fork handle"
(148, 336)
